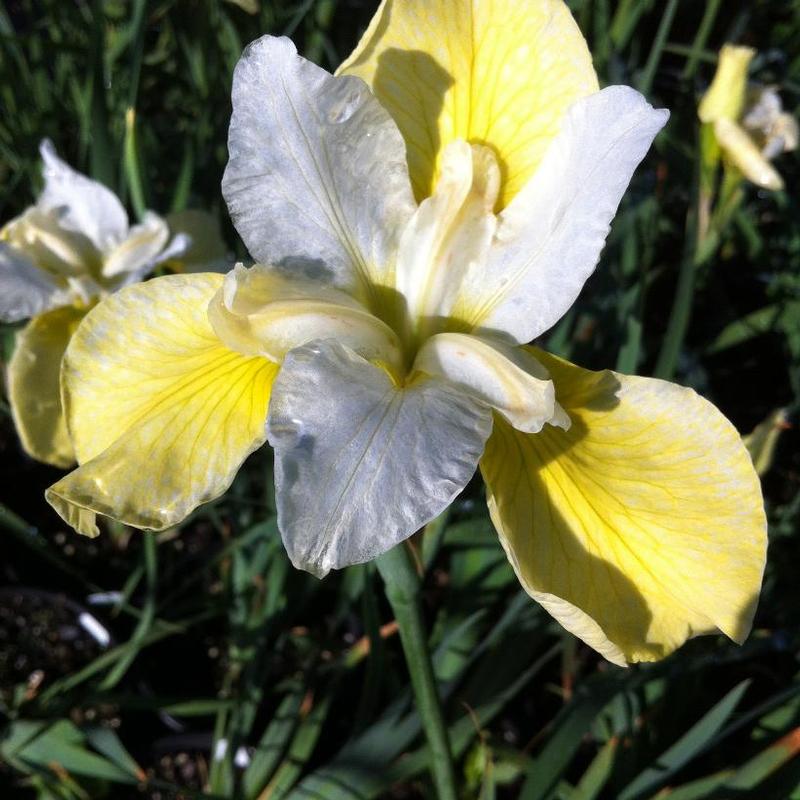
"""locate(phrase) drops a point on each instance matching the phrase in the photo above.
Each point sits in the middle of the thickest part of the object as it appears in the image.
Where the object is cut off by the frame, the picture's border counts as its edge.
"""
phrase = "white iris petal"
(550, 236)
(506, 378)
(26, 290)
(361, 464)
(82, 205)
(75, 244)
(316, 178)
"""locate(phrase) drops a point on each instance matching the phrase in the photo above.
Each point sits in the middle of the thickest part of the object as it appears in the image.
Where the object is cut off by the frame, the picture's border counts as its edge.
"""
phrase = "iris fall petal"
(33, 385)
(499, 73)
(640, 526)
(360, 463)
(161, 413)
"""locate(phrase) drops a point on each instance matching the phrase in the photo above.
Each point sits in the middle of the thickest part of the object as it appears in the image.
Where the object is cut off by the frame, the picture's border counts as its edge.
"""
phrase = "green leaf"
(106, 741)
(300, 750)
(689, 746)
(62, 747)
(766, 763)
(598, 772)
(17, 734)
(756, 323)
(567, 732)
(273, 744)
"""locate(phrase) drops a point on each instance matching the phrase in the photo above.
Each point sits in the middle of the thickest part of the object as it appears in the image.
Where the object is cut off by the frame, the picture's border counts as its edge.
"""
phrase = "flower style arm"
(262, 311)
(506, 378)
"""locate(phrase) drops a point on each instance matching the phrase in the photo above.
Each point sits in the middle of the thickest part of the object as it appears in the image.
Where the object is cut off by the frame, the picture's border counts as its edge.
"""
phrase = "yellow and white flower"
(416, 220)
(748, 122)
(56, 259)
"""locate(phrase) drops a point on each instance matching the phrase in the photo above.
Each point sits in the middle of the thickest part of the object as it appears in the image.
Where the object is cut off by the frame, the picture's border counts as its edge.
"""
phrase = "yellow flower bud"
(744, 124)
(726, 95)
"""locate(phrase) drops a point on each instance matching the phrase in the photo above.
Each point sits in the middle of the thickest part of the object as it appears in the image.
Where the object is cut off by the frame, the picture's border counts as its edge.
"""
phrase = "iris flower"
(416, 219)
(57, 258)
(749, 125)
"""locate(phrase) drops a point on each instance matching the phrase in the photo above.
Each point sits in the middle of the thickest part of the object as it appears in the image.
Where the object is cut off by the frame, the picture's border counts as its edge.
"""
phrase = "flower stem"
(402, 585)
(678, 319)
(704, 229)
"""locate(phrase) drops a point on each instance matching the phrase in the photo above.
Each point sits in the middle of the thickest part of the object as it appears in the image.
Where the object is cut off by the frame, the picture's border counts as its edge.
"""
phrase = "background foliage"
(230, 675)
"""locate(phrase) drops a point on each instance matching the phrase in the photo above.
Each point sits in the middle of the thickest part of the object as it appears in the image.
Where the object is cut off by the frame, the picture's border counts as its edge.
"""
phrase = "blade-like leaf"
(691, 744)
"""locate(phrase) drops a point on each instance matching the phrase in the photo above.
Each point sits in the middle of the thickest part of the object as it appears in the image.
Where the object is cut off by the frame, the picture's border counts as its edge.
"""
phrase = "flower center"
(448, 236)
(267, 311)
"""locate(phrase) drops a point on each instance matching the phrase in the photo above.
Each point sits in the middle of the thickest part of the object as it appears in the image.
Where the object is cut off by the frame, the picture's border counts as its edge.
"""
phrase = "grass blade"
(690, 745)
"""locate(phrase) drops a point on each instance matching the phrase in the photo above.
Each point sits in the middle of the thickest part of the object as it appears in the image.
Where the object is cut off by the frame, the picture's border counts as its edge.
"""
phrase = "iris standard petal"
(260, 311)
(83, 206)
(549, 239)
(641, 526)
(509, 379)
(317, 177)
(33, 385)
(499, 73)
(360, 463)
(161, 413)
(26, 290)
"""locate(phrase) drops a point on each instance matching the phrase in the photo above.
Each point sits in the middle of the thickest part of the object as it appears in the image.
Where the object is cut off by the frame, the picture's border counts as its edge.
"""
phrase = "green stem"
(624, 22)
(132, 165)
(656, 51)
(704, 230)
(700, 39)
(678, 320)
(403, 593)
(101, 161)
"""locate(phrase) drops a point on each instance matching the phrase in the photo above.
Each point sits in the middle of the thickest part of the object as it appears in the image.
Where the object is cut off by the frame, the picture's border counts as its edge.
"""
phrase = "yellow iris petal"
(499, 73)
(33, 385)
(640, 526)
(161, 413)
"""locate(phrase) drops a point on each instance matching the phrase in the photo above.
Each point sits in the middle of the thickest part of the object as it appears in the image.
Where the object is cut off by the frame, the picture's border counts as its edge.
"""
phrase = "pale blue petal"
(317, 180)
(549, 238)
(361, 464)
(25, 290)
